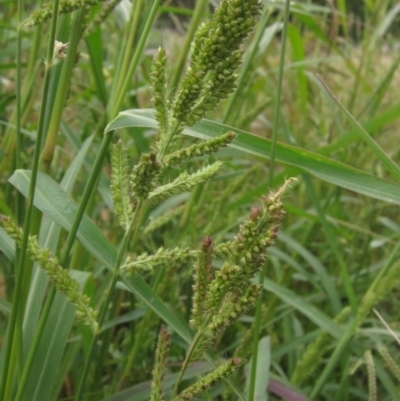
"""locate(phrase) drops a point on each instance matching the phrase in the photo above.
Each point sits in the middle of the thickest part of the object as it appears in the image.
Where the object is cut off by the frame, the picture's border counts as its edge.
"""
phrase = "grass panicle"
(45, 12)
(312, 356)
(59, 276)
(199, 149)
(222, 372)
(121, 186)
(162, 351)
(184, 182)
(204, 274)
(162, 257)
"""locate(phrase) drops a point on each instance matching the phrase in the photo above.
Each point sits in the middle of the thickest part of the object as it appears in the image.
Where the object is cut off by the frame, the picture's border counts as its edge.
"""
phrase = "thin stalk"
(334, 359)
(258, 315)
(35, 343)
(167, 142)
(18, 108)
(121, 252)
(136, 58)
(184, 51)
(7, 374)
(257, 327)
(129, 45)
(18, 165)
(63, 87)
(393, 168)
(29, 74)
(185, 364)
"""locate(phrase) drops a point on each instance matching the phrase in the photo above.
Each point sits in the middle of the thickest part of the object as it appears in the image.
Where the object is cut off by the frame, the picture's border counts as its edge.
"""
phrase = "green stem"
(18, 164)
(334, 359)
(257, 326)
(7, 374)
(35, 343)
(167, 142)
(63, 87)
(18, 108)
(121, 252)
(30, 72)
(136, 58)
(127, 49)
(257, 321)
(185, 364)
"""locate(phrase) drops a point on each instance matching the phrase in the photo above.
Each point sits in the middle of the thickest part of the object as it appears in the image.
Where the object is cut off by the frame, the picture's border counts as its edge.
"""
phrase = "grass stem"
(7, 374)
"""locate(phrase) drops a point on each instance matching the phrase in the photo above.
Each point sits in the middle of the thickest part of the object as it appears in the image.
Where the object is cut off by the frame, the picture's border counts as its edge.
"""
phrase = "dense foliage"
(199, 203)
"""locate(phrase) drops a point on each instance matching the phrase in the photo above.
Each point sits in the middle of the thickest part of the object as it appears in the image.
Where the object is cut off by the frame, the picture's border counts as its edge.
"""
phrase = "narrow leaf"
(320, 166)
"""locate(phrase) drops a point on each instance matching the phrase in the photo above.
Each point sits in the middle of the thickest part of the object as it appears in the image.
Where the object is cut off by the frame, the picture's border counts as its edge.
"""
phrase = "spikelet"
(184, 182)
(121, 190)
(222, 372)
(199, 149)
(162, 351)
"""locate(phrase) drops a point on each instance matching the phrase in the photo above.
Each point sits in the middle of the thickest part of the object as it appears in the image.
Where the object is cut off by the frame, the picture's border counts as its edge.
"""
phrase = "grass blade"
(320, 166)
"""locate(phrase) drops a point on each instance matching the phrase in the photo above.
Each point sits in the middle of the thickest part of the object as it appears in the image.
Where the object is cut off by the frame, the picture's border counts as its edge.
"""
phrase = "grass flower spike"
(45, 13)
(219, 301)
(222, 372)
(62, 280)
(120, 185)
(216, 56)
(162, 352)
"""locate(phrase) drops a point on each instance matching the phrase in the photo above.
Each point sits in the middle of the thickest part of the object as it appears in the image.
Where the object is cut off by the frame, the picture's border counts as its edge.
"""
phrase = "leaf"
(373, 145)
(320, 166)
(262, 370)
(5, 307)
(7, 245)
(319, 270)
(51, 346)
(298, 303)
(285, 391)
(49, 355)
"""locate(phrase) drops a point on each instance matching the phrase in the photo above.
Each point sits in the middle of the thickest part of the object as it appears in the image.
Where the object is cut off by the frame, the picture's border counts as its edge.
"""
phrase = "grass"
(323, 110)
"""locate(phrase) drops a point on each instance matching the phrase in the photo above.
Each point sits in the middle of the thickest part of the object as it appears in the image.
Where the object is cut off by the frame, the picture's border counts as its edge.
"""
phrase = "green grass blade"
(51, 348)
(392, 167)
(298, 303)
(334, 245)
(350, 136)
(262, 370)
(7, 245)
(326, 281)
(95, 49)
(54, 340)
(322, 167)
(5, 307)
